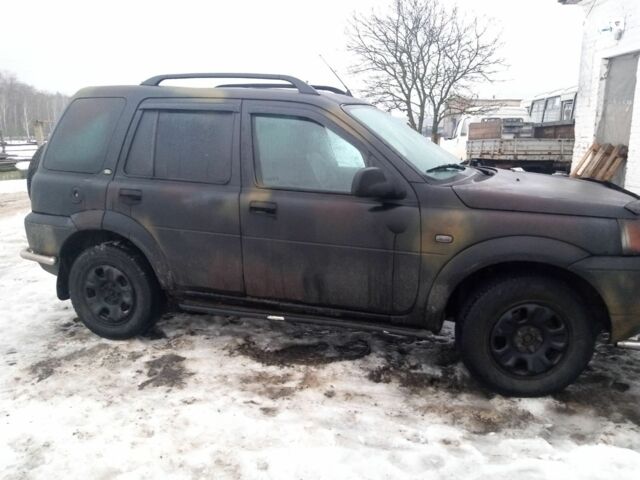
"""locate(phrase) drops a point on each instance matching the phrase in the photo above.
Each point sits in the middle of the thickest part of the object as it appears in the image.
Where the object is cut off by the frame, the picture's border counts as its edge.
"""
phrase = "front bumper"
(617, 280)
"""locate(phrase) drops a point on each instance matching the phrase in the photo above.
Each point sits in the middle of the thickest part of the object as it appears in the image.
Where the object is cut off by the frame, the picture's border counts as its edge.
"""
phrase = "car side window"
(80, 141)
(194, 146)
(300, 154)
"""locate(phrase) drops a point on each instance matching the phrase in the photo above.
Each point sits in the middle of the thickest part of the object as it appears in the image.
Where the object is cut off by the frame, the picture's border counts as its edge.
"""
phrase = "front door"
(180, 180)
(305, 238)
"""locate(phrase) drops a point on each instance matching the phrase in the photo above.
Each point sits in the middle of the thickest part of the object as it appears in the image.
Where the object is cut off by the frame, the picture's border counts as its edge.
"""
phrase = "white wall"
(597, 46)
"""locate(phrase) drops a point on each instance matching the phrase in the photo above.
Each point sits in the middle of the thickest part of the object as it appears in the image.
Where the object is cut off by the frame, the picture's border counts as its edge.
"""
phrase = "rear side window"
(191, 146)
(80, 141)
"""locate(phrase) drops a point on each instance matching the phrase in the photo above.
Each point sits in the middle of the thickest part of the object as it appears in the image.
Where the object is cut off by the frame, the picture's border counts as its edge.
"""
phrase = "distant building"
(605, 108)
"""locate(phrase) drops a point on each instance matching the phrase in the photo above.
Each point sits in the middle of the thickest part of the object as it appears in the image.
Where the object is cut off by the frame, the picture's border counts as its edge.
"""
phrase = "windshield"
(416, 148)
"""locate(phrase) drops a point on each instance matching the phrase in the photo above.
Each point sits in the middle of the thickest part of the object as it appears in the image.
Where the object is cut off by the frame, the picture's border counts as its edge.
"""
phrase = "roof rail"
(327, 88)
(302, 87)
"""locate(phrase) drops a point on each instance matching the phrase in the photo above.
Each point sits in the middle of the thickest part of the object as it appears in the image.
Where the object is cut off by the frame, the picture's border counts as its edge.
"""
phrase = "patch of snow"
(214, 397)
(13, 186)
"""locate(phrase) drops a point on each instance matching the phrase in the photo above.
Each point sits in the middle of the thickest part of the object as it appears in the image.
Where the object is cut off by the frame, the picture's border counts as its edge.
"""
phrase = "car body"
(246, 222)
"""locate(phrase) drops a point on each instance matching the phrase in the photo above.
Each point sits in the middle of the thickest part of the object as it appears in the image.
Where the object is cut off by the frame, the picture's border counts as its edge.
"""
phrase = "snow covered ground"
(213, 397)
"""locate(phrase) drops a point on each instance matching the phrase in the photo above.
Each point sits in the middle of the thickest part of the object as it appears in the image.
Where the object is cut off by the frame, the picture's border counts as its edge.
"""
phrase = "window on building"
(193, 146)
(552, 110)
(567, 110)
(297, 153)
(537, 111)
(80, 141)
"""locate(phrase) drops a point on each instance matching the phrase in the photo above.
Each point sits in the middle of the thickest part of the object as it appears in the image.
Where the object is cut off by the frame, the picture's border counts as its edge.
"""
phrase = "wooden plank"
(598, 174)
(602, 154)
(585, 157)
(580, 170)
(587, 164)
(617, 163)
(611, 171)
(485, 130)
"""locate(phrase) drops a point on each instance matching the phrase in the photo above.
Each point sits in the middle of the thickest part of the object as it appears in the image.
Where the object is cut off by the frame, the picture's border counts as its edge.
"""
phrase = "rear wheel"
(113, 291)
(525, 336)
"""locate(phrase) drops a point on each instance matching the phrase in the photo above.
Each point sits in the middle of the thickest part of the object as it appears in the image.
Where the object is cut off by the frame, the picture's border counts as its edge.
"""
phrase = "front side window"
(300, 154)
(193, 146)
(80, 141)
(465, 127)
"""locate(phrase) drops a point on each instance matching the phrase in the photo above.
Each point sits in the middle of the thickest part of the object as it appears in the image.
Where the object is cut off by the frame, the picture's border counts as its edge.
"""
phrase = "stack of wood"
(601, 162)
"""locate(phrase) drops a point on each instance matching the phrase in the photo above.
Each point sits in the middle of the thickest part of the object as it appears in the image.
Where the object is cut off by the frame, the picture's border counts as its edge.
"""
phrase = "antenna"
(338, 77)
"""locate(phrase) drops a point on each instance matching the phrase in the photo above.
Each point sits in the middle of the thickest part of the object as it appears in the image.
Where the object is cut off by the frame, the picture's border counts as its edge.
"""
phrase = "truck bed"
(537, 154)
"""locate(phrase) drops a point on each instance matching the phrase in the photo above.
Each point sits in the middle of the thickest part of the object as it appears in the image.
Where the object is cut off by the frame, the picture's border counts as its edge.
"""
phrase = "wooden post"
(38, 127)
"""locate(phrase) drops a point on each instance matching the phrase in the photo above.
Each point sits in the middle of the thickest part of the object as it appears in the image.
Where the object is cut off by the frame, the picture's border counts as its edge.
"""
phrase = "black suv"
(289, 201)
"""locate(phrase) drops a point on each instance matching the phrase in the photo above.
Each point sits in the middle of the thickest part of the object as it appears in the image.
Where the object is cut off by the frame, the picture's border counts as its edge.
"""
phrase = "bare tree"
(422, 58)
(22, 104)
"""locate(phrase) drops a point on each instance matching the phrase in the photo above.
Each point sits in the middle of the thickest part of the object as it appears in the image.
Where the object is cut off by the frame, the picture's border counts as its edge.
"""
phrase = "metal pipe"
(630, 344)
(29, 254)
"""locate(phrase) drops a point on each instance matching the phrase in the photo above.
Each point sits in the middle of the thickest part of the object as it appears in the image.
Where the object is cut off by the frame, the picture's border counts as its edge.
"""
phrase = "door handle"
(270, 208)
(130, 196)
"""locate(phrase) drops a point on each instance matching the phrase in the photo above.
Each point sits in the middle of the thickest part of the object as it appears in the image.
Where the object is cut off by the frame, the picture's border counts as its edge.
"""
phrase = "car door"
(305, 238)
(180, 180)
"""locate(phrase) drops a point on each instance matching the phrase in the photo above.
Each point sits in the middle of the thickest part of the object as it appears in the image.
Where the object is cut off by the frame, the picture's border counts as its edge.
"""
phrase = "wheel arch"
(128, 233)
(503, 257)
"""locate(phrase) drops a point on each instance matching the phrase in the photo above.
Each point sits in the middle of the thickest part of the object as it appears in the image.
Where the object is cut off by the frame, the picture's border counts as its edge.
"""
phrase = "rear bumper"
(46, 234)
(617, 279)
(29, 254)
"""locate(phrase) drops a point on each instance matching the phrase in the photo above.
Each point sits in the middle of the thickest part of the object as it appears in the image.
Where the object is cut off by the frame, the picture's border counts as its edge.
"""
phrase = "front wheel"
(113, 291)
(525, 336)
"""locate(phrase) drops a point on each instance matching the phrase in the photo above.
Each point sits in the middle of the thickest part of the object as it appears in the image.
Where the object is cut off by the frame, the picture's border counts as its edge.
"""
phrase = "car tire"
(114, 291)
(525, 336)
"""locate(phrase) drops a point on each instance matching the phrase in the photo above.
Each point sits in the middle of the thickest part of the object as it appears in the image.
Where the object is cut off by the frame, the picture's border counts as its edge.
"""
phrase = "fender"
(493, 252)
(139, 236)
(88, 219)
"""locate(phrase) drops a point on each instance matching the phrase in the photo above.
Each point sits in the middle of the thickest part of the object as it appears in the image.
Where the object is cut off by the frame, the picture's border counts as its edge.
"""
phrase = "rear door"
(179, 179)
(306, 239)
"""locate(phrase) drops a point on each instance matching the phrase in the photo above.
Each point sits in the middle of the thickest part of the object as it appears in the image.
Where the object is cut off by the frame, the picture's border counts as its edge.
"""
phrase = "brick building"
(605, 108)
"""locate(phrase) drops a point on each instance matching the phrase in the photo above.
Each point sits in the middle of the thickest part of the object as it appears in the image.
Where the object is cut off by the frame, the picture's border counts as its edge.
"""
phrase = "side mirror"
(371, 182)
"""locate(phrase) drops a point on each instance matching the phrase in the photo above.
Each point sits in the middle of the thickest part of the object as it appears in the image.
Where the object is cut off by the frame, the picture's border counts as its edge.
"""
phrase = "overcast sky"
(63, 45)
